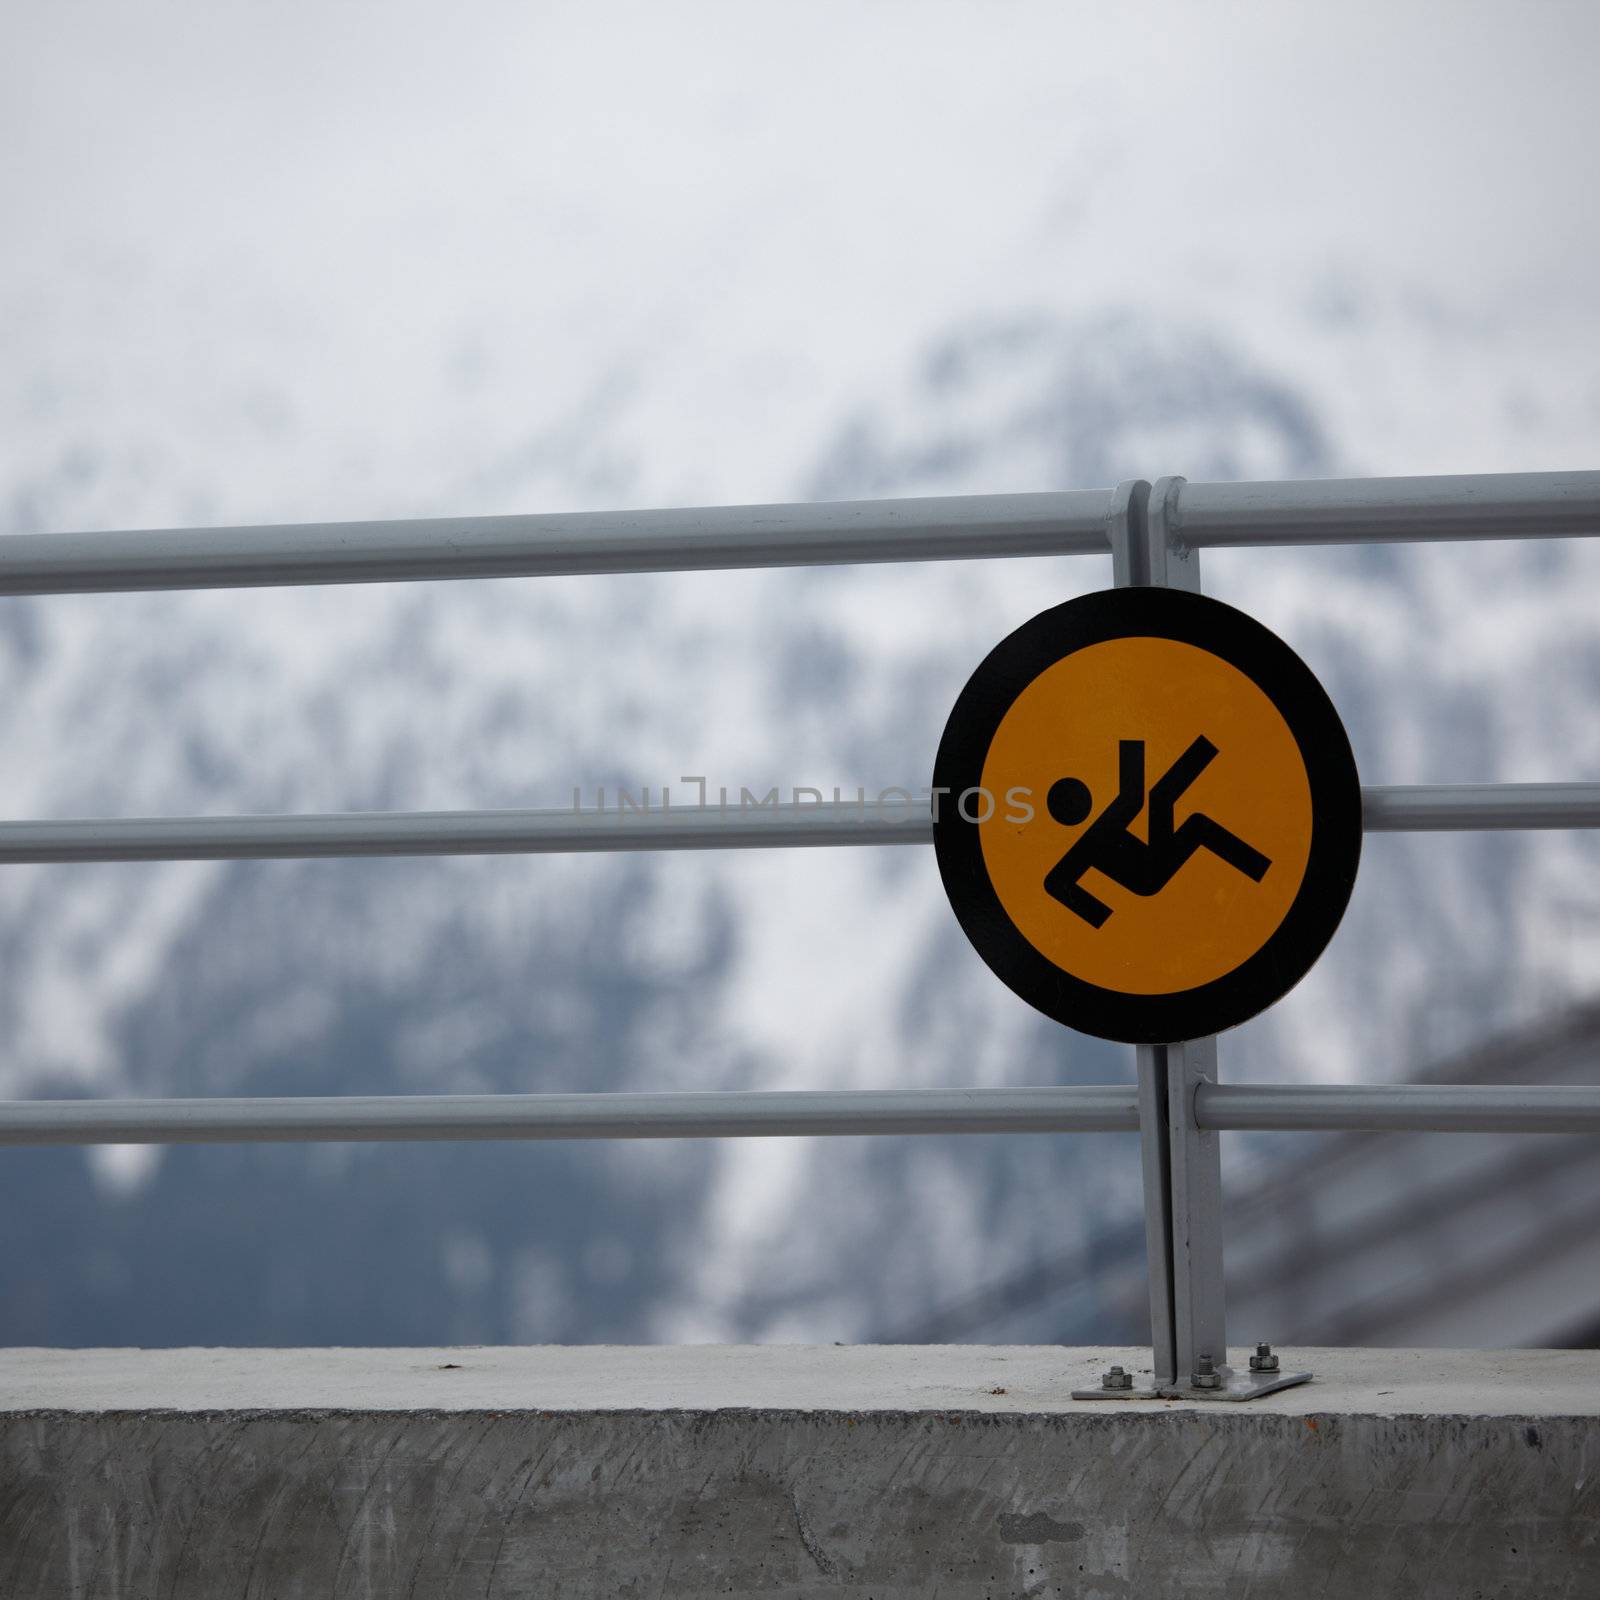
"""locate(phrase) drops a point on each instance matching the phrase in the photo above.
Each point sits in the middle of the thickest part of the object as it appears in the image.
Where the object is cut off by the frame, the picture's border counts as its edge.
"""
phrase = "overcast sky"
(403, 235)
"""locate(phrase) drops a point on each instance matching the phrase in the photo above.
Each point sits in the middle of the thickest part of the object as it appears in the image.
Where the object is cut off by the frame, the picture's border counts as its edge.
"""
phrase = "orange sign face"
(1149, 816)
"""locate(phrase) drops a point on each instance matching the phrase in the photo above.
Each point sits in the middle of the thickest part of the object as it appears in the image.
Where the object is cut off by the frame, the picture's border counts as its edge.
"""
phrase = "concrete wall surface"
(882, 1472)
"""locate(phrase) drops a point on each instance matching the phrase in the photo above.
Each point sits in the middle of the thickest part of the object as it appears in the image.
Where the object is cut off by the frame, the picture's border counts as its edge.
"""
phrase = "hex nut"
(1116, 1378)
(1263, 1360)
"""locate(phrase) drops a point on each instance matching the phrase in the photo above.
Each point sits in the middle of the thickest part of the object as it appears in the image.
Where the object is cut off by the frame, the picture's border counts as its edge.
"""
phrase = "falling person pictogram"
(1141, 866)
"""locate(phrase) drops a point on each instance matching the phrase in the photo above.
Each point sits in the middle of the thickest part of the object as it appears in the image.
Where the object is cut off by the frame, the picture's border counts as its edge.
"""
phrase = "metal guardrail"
(953, 528)
(741, 1114)
(1102, 1108)
(1400, 1107)
(1398, 809)
(1152, 533)
(950, 528)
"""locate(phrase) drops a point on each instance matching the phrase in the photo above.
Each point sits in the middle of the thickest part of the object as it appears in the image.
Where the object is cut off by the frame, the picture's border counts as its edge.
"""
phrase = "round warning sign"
(1147, 815)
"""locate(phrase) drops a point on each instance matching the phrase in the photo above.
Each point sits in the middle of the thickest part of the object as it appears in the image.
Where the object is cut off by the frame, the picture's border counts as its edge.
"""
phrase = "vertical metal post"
(1194, 1156)
(1128, 528)
(1125, 529)
(1195, 1168)
(1166, 562)
(1182, 1163)
(1150, 1062)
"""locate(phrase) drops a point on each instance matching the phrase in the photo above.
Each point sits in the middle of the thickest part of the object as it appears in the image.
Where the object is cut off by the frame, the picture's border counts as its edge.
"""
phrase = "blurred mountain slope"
(304, 264)
(783, 968)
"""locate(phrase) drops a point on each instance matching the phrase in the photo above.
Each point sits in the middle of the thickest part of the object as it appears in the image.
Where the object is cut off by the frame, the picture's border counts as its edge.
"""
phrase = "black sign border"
(1336, 832)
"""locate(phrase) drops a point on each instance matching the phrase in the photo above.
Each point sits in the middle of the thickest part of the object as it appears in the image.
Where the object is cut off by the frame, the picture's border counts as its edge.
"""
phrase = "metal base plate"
(1235, 1386)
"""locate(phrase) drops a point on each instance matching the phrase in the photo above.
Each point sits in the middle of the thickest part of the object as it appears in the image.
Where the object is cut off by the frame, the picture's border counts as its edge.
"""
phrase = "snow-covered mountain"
(357, 341)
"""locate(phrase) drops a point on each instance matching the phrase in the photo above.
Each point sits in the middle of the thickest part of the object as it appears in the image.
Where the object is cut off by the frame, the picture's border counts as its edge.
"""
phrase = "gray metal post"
(1182, 1169)
(1150, 1063)
(1157, 557)
(1127, 531)
(1200, 1329)
(1182, 1160)
(1194, 1157)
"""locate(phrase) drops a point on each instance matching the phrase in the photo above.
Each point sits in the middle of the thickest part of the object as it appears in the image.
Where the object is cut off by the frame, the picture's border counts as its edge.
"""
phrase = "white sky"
(418, 232)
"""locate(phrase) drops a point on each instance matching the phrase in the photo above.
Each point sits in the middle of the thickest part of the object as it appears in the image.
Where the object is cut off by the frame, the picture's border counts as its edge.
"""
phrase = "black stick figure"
(1107, 845)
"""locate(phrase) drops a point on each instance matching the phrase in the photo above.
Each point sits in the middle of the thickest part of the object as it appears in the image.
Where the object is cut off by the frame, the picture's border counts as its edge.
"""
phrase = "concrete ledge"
(883, 1472)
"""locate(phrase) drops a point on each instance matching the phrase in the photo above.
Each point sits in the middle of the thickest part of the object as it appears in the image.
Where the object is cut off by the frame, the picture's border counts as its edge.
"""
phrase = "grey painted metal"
(1195, 1153)
(1130, 565)
(943, 528)
(1193, 1225)
(1439, 808)
(1104, 1108)
(959, 527)
(1150, 1062)
(1513, 505)
(1427, 808)
(1401, 1107)
(1107, 1108)
(1125, 525)
(1142, 555)
(1166, 562)
(389, 833)
(1143, 552)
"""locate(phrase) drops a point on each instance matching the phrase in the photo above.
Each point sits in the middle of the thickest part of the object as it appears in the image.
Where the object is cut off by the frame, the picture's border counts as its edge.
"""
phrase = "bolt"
(1205, 1374)
(1116, 1378)
(1263, 1360)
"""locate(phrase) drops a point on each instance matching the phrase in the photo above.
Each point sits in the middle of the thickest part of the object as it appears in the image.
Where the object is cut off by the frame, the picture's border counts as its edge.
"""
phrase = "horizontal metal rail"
(955, 527)
(1094, 1108)
(1107, 1108)
(387, 833)
(712, 827)
(1456, 808)
(1502, 505)
(1401, 1107)
(945, 528)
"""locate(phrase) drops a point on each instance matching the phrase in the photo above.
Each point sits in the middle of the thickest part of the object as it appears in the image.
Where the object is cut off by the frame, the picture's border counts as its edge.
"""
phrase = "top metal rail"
(548, 545)
(948, 528)
(1424, 808)
(1501, 505)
